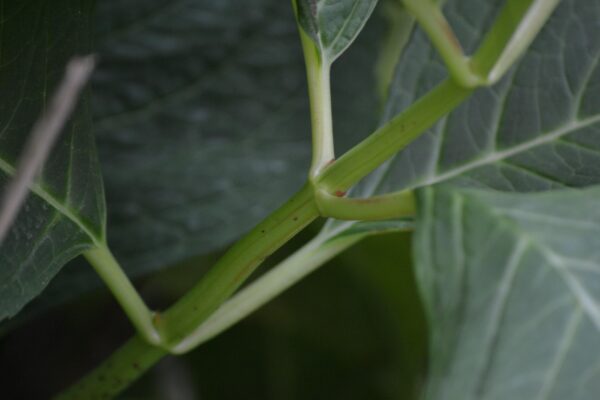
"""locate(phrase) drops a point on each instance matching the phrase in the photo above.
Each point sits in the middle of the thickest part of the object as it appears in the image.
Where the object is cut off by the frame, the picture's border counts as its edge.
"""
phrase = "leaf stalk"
(319, 94)
(107, 267)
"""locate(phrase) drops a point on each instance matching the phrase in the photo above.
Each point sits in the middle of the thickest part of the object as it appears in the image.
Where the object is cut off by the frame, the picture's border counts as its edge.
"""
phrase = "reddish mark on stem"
(450, 34)
(339, 193)
(330, 162)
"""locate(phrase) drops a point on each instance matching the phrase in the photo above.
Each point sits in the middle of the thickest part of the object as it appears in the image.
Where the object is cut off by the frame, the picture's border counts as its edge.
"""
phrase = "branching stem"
(182, 325)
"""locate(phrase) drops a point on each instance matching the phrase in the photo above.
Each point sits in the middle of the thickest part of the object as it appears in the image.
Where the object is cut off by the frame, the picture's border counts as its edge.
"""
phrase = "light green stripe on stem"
(515, 28)
(319, 94)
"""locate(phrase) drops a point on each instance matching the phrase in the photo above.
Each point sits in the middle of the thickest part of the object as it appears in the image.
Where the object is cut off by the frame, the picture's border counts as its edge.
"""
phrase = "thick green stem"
(119, 284)
(135, 357)
(236, 265)
(392, 137)
(304, 261)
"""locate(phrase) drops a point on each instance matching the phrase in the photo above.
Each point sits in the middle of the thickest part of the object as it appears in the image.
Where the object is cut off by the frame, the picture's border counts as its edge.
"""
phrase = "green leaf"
(202, 119)
(512, 291)
(333, 24)
(537, 129)
(65, 213)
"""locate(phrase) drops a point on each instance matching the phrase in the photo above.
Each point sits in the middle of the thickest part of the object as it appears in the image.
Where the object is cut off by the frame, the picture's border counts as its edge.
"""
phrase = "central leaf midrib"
(496, 156)
(64, 210)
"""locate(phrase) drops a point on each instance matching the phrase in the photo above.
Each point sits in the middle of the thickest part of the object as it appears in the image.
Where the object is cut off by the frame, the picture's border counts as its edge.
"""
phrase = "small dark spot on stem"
(136, 366)
(295, 218)
(262, 231)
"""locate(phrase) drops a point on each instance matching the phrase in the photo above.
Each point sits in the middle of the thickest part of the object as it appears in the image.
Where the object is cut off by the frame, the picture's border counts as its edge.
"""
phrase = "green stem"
(194, 308)
(387, 206)
(304, 261)
(236, 265)
(116, 373)
(515, 28)
(134, 358)
(433, 22)
(127, 296)
(319, 94)
(392, 137)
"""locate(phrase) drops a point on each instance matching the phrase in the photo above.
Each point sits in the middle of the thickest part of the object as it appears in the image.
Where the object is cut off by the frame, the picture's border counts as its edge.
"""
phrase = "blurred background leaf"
(67, 212)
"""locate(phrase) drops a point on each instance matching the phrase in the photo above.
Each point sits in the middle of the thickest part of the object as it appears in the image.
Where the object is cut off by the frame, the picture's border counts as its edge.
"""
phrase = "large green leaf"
(537, 129)
(65, 214)
(511, 284)
(333, 24)
(202, 120)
